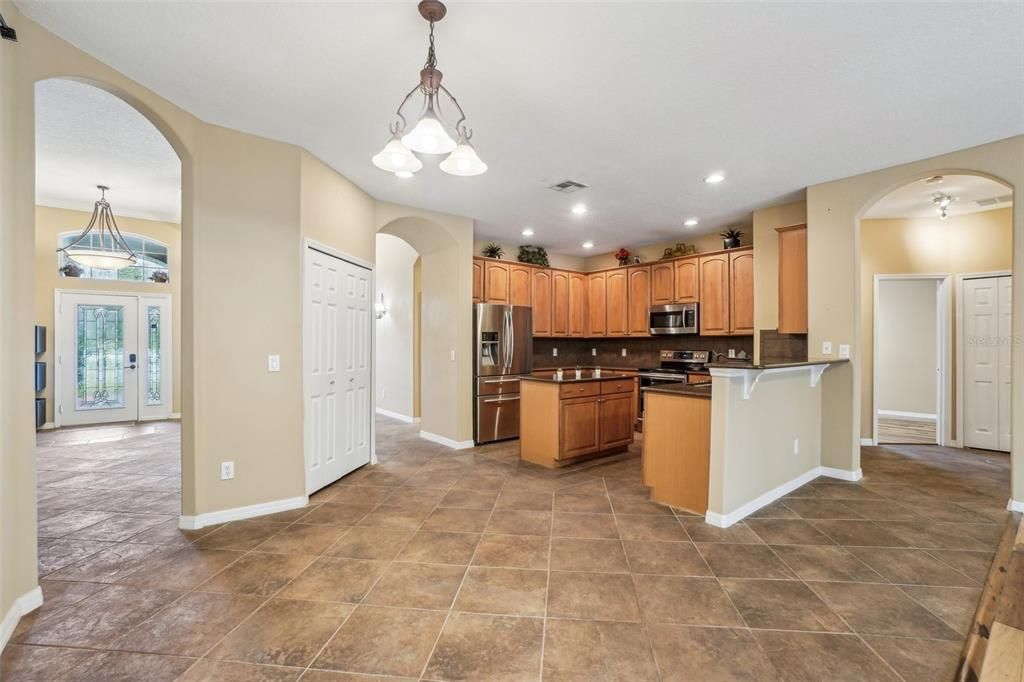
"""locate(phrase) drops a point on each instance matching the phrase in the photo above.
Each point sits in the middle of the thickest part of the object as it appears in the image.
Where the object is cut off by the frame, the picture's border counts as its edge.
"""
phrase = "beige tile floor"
(442, 565)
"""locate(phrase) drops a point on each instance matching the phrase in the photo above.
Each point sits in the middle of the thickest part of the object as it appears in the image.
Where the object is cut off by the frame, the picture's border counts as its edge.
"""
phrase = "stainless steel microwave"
(678, 318)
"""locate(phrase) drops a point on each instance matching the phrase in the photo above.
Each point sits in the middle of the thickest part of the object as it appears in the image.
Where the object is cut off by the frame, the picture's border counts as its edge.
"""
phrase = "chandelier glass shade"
(100, 245)
(431, 133)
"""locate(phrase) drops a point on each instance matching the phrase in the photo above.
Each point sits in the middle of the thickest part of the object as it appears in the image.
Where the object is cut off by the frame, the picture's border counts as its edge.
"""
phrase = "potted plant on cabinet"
(534, 255)
(731, 238)
(493, 250)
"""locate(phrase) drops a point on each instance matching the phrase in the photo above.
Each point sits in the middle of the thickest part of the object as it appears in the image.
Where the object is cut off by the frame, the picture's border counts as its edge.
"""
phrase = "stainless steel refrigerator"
(503, 342)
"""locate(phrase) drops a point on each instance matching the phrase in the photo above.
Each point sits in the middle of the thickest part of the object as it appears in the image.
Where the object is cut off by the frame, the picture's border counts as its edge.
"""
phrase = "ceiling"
(915, 200)
(87, 137)
(638, 100)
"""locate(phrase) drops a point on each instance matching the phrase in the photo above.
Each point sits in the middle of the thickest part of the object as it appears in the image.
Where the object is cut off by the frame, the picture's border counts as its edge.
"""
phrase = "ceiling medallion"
(106, 249)
(430, 134)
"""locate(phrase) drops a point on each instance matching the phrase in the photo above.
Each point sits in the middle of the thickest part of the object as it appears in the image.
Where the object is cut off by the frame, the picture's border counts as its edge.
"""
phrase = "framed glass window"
(153, 264)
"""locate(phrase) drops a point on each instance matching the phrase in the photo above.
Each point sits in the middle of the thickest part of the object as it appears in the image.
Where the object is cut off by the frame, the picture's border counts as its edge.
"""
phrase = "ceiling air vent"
(993, 201)
(568, 186)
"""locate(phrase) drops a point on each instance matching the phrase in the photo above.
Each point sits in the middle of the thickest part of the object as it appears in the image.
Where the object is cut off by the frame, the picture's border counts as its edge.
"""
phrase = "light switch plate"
(227, 471)
(732, 352)
(826, 348)
(273, 363)
(593, 351)
(452, 355)
(554, 352)
(844, 350)
(623, 352)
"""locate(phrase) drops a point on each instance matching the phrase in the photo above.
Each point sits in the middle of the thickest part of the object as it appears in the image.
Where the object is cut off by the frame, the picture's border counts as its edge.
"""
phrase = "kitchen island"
(564, 421)
(677, 444)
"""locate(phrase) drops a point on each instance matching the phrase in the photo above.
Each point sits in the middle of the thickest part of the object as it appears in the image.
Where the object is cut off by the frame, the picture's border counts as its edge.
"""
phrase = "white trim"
(1015, 505)
(48, 426)
(400, 417)
(912, 416)
(175, 415)
(23, 605)
(726, 520)
(868, 442)
(448, 442)
(842, 474)
(239, 513)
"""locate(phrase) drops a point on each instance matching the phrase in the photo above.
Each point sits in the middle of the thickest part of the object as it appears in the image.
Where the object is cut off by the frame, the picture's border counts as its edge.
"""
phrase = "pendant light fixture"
(100, 245)
(942, 202)
(430, 135)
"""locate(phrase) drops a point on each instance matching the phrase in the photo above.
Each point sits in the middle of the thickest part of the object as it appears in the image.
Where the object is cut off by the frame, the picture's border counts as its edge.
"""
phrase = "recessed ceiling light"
(690, 222)
(715, 177)
(588, 245)
(403, 174)
(528, 232)
(579, 209)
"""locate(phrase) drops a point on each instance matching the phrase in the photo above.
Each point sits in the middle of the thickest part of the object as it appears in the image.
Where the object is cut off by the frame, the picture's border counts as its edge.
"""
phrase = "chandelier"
(430, 135)
(942, 202)
(106, 249)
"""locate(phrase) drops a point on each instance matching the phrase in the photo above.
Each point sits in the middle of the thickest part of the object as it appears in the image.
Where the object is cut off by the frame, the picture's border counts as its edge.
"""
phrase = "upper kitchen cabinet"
(663, 283)
(577, 304)
(617, 302)
(714, 295)
(687, 280)
(541, 302)
(793, 279)
(597, 305)
(639, 300)
(559, 303)
(478, 280)
(496, 284)
(520, 285)
(741, 293)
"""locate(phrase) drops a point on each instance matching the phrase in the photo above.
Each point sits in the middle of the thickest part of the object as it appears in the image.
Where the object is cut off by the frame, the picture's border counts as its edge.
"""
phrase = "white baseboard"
(867, 441)
(175, 415)
(239, 513)
(48, 426)
(913, 416)
(396, 415)
(842, 474)
(447, 442)
(26, 603)
(1015, 505)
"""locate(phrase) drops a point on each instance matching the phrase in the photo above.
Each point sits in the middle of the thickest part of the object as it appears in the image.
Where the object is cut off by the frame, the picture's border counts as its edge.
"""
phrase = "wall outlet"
(273, 363)
(227, 471)
(826, 348)
(593, 351)
(554, 352)
(451, 354)
(732, 352)
(623, 352)
(796, 446)
(844, 350)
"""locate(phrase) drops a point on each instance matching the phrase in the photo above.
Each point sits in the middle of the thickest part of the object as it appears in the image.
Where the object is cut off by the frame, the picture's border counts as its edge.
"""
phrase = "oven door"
(680, 318)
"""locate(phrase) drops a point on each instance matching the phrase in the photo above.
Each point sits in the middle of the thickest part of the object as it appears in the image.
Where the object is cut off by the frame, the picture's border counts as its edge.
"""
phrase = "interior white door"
(986, 404)
(98, 359)
(337, 348)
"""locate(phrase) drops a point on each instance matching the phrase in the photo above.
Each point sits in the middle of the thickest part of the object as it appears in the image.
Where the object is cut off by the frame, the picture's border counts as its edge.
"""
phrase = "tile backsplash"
(640, 352)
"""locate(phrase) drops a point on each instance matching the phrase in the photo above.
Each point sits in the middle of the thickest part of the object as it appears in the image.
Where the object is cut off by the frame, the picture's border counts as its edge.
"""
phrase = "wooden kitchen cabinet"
(617, 302)
(714, 295)
(541, 302)
(559, 303)
(741, 293)
(793, 279)
(639, 300)
(520, 285)
(663, 283)
(615, 417)
(496, 287)
(478, 280)
(577, 304)
(597, 305)
(687, 281)
(580, 425)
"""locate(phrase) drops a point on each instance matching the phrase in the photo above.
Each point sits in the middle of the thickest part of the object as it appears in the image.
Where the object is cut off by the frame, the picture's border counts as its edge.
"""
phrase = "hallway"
(412, 568)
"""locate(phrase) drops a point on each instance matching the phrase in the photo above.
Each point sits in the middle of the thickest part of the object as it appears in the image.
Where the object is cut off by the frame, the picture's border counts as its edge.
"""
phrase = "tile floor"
(442, 565)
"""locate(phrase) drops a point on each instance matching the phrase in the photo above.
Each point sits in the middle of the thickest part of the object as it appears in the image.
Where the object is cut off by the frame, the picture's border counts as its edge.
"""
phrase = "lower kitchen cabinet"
(677, 450)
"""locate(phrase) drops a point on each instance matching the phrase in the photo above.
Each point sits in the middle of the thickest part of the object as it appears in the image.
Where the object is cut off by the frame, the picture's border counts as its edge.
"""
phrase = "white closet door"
(986, 354)
(1005, 335)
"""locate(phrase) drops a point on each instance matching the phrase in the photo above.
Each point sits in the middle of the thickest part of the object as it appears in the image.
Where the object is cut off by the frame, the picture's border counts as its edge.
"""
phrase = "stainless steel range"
(677, 366)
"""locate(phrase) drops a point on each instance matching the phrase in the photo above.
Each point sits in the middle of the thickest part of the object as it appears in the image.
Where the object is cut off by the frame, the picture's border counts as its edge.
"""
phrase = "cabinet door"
(663, 282)
(495, 282)
(559, 303)
(617, 298)
(687, 281)
(616, 419)
(639, 301)
(478, 280)
(741, 293)
(793, 279)
(597, 305)
(577, 304)
(580, 427)
(541, 302)
(714, 295)
(520, 285)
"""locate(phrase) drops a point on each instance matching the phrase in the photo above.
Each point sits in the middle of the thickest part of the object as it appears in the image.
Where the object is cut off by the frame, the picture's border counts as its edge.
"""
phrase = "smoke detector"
(568, 186)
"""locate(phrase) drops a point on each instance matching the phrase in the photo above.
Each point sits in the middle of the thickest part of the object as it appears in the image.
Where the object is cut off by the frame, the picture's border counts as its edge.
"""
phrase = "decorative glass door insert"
(100, 380)
(154, 366)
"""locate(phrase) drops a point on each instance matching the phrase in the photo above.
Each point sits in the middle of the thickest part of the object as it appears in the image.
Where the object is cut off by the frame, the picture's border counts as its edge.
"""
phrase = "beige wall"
(511, 253)
(50, 224)
(834, 210)
(652, 252)
(977, 242)
(395, 331)
(766, 263)
(908, 349)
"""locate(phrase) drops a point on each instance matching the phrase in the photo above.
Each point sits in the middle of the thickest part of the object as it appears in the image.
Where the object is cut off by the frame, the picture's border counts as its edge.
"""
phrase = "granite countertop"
(777, 365)
(569, 377)
(587, 368)
(691, 390)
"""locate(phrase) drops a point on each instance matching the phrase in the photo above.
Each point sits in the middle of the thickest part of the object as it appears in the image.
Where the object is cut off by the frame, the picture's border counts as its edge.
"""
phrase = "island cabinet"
(562, 422)
(727, 293)
(663, 280)
(597, 305)
(639, 300)
(541, 302)
(559, 303)
(676, 459)
(577, 304)
(617, 303)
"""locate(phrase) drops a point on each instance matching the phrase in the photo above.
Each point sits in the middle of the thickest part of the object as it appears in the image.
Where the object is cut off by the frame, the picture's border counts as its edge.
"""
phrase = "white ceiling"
(87, 137)
(916, 199)
(638, 100)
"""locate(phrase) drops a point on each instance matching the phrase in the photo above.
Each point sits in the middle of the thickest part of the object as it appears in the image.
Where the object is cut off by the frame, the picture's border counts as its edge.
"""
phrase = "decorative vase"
(624, 261)
(731, 243)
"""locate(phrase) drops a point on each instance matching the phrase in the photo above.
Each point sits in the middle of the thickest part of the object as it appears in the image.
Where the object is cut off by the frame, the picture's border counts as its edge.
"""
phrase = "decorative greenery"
(493, 250)
(731, 238)
(534, 255)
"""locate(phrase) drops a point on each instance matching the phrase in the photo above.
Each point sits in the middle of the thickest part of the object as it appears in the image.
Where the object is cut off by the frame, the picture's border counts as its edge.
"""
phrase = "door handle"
(500, 381)
(500, 400)
(132, 358)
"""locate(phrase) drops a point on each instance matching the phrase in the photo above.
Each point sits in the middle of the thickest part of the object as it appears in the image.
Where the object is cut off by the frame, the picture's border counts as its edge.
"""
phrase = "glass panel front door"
(100, 358)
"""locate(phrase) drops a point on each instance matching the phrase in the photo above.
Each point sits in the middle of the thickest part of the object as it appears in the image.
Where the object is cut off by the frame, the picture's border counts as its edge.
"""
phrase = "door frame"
(960, 344)
(944, 384)
(57, 327)
(307, 440)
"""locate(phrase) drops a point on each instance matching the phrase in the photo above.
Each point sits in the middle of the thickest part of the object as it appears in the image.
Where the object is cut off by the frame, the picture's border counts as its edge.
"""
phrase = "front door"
(338, 369)
(112, 358)
(986, 361)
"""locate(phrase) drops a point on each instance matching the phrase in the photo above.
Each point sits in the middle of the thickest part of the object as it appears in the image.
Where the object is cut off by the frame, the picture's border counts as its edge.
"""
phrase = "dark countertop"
(777, 365)
(569, 377)
(690, 390)
(587, 368)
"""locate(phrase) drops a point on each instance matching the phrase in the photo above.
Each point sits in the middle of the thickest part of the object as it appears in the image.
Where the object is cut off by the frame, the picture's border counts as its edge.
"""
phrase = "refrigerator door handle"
(512, 340)
(502, 400)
